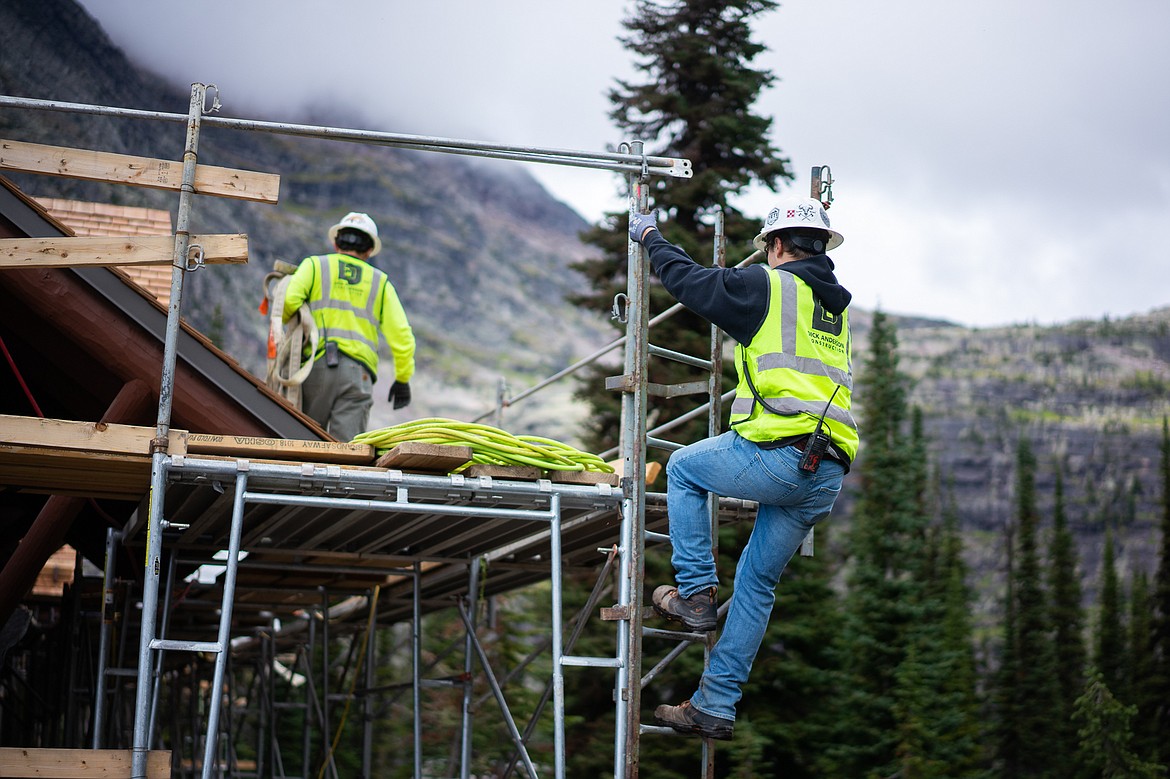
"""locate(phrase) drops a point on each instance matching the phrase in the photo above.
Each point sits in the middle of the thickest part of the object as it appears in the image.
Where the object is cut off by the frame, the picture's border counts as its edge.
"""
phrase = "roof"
(122, 327)
(85, 218)
(75, 338)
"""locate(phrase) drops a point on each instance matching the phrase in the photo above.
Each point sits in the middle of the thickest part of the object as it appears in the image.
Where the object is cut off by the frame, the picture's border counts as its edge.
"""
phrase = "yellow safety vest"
(344, 305)
(799, 356)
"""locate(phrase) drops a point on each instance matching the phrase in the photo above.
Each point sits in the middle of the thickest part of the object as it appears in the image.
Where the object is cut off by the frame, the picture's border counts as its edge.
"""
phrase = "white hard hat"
(798, 212)
(360, 222)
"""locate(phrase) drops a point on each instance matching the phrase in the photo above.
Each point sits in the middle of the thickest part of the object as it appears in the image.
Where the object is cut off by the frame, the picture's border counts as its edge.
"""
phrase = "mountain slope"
(1089, 395)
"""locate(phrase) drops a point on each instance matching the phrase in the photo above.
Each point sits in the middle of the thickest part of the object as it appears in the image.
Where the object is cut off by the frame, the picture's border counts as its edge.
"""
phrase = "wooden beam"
(105, 250)
(49, 471)
(280, 449)
(417, 456)
(86, 459)
(91, 437)
(137, 171)
(78, 763)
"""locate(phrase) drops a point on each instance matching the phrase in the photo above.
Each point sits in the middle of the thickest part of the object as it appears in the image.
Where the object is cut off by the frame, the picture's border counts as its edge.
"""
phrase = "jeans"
(791, 502)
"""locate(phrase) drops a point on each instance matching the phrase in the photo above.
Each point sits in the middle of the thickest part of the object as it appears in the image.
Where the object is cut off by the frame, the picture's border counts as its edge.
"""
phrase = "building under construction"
(224, 543)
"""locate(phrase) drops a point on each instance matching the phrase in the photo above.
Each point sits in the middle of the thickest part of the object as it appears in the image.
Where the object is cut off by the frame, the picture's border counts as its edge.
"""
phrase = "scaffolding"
(393, 545)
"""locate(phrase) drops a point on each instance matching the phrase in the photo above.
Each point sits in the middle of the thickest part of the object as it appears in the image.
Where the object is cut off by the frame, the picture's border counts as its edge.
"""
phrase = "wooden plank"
(512, 472)
(430, 458)
(52, 471)
(75, 251)
(87, 459)
(137, 171)
(79, 763)
(279, 448)
(92, 437)
(584, 477)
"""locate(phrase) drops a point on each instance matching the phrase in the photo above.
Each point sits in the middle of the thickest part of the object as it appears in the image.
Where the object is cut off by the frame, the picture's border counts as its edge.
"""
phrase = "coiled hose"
(489, 445)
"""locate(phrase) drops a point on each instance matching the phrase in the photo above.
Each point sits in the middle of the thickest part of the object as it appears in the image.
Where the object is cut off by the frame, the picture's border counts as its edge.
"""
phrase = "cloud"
(996, 162)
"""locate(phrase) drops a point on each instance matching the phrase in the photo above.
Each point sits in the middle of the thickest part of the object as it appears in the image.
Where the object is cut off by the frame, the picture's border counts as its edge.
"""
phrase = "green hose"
(489, 445)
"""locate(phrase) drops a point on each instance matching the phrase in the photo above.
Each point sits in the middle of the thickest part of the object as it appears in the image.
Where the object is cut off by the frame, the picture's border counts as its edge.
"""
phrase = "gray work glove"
(639, 223)
(400, 394)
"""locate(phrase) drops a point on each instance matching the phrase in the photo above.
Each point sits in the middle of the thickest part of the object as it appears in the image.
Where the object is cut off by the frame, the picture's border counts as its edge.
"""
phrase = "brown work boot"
(685, 718)
(699, 613)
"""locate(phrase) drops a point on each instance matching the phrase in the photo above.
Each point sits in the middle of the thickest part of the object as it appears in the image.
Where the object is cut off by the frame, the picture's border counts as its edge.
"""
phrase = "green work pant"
(340, 398)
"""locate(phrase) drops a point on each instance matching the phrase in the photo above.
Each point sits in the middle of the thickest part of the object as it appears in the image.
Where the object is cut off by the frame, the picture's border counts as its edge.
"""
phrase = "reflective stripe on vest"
(328, 310)
(799, 356)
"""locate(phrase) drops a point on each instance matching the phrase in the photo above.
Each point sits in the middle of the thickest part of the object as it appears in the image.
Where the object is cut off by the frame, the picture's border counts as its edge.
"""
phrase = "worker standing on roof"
(352, 302)
(791, 441)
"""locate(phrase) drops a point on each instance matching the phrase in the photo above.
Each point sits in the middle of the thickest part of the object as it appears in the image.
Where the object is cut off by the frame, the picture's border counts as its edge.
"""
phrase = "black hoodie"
(736, 299)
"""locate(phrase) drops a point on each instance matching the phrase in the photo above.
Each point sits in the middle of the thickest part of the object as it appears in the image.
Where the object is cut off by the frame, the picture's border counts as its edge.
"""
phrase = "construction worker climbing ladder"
(792, 437)
(351, 303)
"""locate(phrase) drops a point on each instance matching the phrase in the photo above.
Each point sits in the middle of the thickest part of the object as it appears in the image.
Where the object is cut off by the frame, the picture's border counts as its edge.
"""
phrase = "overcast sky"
(996, 162)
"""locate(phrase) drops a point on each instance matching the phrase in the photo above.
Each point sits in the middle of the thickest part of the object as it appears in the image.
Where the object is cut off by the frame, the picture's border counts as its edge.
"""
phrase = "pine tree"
(1109, 656)
(882, 597)
(962, 735)
(695, 102)
(1105, 732)
(936, 702)
(789, 697)
(1007, 723)
(1159, 683)
(1033, 692)
(1140, 669)
(1068, 624)
(909, 705)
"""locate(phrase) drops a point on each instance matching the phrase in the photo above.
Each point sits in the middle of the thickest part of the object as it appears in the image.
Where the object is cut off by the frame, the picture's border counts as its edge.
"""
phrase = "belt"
(832, 453)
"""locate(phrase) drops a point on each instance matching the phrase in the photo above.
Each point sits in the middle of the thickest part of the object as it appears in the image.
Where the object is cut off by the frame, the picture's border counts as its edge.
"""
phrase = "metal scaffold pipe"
(614, 161)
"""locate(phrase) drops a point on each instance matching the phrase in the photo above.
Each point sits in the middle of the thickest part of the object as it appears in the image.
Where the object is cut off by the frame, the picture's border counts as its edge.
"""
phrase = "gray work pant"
(340, 398)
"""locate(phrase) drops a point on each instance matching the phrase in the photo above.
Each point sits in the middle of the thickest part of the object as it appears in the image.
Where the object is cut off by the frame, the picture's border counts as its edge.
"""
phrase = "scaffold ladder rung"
(186, 646)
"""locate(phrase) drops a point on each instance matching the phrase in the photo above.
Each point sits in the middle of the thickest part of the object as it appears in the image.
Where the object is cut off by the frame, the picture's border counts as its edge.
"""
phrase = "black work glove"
(400, 394)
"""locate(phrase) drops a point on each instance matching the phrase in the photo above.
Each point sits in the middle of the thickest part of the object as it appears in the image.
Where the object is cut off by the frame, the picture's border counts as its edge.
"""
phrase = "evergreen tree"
(695, 101)
(1033, 692)
(1159, 683)
(936, 702)
(963, 734)
(881, 602)
(901, 715)
(788, 700)
(693, 98)
(1105, 733)
(1068, 624)
(917, 472)
(1109, 656)
(1007, 723)
(1141, 667)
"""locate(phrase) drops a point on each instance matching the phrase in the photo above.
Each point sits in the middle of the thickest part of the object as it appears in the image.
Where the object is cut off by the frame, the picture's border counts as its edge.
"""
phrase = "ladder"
(635, 438)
